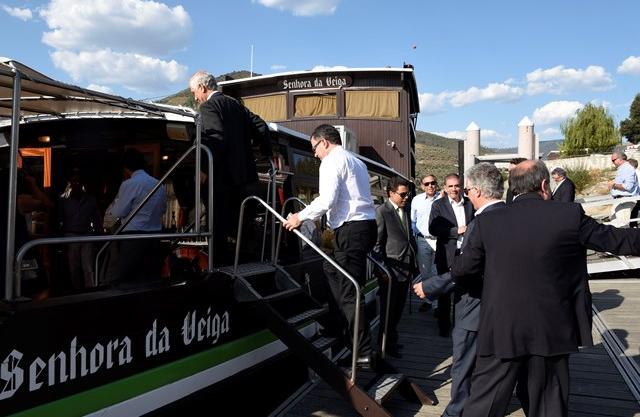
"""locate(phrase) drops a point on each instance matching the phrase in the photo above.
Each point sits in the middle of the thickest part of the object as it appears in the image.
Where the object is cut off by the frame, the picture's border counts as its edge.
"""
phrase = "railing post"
(12, 284)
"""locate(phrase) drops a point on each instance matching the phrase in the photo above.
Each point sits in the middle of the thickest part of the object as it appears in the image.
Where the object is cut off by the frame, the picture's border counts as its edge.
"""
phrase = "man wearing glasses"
(420, 211)
(448, 223)
(624, 185)
(345, 197)
(396, 247)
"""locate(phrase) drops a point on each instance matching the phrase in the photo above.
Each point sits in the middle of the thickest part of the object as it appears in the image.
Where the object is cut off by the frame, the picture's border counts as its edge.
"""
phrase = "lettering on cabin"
(330, 81)
(74, 362)
(207, 327)
(77, 361)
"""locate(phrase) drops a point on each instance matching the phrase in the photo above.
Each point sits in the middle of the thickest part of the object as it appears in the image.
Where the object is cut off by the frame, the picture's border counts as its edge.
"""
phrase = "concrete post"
(536, 141)
(471, 145)
(526, 146)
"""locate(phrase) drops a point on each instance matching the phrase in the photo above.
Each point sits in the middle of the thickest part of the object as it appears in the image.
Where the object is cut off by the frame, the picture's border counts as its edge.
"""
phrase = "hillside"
(435, 155)
(185, 98)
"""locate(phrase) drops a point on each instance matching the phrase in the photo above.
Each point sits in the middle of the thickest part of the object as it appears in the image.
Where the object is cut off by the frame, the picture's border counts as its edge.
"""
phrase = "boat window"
(271, 108)
(310, 105)
(305, 165)
(378, 104)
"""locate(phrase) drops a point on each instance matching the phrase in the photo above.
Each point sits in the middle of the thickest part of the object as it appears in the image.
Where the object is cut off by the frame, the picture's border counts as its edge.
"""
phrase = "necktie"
(401, 215)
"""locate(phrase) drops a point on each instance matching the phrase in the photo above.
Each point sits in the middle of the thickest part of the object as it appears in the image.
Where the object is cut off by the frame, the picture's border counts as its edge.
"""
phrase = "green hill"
(435, 155)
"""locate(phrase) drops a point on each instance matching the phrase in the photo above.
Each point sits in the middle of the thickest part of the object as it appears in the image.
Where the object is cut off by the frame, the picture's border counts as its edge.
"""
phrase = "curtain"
(270, 108)
(380, 104)
(315, 105)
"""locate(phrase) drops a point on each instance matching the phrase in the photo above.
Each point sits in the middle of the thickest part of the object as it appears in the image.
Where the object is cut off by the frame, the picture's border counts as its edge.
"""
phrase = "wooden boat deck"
(598, 387)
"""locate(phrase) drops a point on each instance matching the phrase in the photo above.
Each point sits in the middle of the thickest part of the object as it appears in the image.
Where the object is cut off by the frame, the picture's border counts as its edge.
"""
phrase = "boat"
(160, 347)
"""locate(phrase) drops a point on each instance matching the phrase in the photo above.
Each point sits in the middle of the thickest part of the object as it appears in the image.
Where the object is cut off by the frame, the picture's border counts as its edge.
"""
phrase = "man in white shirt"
(345, 196)
(624, 185)
(420, 211)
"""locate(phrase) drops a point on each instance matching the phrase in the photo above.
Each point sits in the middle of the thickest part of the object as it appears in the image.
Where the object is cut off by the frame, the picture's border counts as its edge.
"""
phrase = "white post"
(526, 147)
(471, 145)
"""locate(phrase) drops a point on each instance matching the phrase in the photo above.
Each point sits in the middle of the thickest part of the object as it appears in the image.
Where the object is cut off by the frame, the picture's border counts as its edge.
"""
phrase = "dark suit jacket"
(395, 244)
(228, 129)
(443, 225)
(566, 192)
(468, 292)
(536, 298)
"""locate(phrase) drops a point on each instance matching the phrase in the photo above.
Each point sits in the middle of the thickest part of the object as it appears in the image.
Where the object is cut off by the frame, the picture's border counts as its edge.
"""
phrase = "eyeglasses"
(313, 147)
(428, 183)
(614, 159)
(403, 194)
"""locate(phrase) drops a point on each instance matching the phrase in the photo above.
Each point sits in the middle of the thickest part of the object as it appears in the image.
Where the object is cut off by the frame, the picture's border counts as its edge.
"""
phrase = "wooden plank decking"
(597, 387)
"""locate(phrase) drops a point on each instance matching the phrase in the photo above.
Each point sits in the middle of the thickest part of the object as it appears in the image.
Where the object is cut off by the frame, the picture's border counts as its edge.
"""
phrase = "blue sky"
(491, 62)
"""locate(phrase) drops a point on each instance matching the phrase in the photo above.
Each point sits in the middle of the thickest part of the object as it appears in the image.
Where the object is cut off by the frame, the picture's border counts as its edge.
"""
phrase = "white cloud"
(560, 80)
(140, 73)
(556, 112)
(453, 134)
(101, 88)
(139, 26)
(326, 68)
(22, 14)
(630, 65)
(278, 67)
(492, 92)
(549, 133)
(432, 103)
(302, 7)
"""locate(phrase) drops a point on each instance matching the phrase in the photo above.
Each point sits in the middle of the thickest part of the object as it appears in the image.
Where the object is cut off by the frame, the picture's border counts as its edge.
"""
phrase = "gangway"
(602, 262)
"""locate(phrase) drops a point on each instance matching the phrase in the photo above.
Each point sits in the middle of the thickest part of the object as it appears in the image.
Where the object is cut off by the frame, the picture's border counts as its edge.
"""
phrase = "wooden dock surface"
(597, 386)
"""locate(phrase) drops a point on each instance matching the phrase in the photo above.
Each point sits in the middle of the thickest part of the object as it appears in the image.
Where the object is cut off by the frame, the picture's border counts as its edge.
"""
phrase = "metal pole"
(11, 198)
(210, 207)
(197, 176)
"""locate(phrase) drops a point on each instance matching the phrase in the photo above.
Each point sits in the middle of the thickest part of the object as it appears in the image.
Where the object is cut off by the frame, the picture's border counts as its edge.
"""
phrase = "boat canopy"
(41, 96)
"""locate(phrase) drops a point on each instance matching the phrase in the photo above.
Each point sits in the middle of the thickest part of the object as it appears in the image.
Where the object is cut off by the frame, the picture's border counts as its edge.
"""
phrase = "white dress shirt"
(345, 193)
(420, 212)
(461, 219)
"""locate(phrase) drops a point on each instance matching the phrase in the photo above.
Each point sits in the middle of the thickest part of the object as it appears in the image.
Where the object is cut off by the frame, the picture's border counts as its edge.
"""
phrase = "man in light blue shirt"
(139, 259)
(624, 185)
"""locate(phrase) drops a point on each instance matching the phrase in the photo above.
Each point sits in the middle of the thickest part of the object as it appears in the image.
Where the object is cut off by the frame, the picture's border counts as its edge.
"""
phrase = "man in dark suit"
(484, 187)
(396, 246)
(229, 130)
(512, 164)
(536, 304)
(565, 190)
(448, 222)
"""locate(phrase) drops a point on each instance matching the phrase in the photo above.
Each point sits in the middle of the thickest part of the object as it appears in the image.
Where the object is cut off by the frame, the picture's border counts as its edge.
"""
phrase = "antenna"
(251, 70)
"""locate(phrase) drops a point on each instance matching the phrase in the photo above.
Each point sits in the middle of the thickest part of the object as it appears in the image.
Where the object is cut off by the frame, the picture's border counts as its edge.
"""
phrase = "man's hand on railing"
(292, 222)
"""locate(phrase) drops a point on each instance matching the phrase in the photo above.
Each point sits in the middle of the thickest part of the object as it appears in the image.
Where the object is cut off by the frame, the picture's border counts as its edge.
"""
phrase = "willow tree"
(592, 129)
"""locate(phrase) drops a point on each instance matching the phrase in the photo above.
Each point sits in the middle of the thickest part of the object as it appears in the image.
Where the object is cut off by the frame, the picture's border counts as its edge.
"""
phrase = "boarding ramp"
(604, 210)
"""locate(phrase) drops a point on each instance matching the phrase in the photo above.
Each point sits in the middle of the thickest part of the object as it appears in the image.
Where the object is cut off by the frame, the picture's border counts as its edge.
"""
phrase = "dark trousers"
(464, 358)
(493, 380)
(399, 291)
(353, 241)
(138, 260)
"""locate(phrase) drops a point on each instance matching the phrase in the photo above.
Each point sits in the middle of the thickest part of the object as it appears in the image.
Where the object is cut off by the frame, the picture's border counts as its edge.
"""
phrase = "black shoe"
(424, 307)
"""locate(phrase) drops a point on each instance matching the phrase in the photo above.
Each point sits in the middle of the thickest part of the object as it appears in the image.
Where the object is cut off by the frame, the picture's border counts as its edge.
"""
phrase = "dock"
(605, 378)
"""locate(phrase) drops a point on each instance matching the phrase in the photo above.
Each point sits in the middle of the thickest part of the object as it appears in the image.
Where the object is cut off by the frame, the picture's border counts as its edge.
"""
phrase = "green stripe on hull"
(100, 397)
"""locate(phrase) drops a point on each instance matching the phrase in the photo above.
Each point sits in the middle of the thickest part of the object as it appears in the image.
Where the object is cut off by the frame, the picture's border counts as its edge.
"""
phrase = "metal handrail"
(356, 342)
(89, 239)
(384, 268)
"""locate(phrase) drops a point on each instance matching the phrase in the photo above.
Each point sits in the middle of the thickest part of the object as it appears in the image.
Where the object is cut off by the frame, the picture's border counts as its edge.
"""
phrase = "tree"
(592, 128)
(630, 128)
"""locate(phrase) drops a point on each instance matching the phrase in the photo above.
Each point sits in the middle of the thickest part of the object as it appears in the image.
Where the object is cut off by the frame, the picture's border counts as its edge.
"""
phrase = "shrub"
(582, 177)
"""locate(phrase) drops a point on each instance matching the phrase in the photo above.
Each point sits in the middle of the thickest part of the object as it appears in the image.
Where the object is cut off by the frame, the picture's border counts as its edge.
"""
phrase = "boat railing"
(13, 288)
(623, 262)
(289, 200)
(146, 198)
(276, 215)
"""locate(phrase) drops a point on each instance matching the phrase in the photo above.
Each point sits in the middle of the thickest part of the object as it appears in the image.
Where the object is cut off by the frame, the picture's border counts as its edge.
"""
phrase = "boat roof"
(407, 70)
(43, 97)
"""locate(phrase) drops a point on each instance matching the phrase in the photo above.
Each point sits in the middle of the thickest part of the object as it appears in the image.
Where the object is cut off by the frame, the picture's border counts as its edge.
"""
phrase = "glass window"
(367, 103)
(315, 105)
(305, 165)
(270, 108)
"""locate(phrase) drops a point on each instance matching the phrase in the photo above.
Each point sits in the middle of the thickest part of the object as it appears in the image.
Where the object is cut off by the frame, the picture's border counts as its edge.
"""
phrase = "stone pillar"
(471, 145)
(536, 142)
(526, 146)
